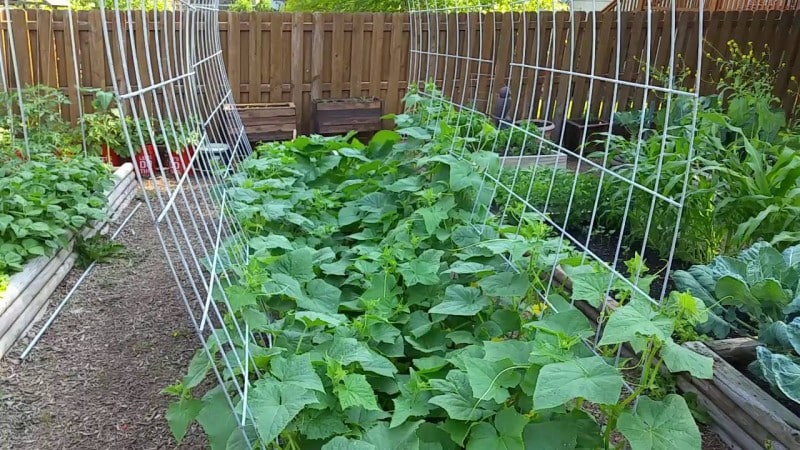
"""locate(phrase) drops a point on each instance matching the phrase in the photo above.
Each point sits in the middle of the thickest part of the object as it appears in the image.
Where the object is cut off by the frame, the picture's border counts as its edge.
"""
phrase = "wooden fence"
(276, 57)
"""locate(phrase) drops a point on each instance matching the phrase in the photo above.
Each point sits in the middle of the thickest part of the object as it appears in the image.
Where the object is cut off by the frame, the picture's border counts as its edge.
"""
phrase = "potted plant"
(178, 142)
(104, 134)
(337, 116)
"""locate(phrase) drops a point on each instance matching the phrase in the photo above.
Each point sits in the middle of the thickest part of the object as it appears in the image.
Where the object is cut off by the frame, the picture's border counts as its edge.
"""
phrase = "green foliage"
(739, 159)
(396, 323)
(44, 128)
(98, 248)
(104, 125)
(42, 200)
(763, 285)
(396, 5)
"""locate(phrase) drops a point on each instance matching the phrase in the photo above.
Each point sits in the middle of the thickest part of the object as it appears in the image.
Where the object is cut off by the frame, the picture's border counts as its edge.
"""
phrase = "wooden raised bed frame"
(267, 121)
(24, 301)
(339, 116)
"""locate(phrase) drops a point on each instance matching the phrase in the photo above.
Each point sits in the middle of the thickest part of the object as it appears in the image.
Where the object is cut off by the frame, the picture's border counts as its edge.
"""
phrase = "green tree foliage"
(403, 5)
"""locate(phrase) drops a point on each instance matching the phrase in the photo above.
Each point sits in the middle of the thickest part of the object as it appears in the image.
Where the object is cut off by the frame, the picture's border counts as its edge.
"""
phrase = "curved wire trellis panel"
(170, 79)
(570, 75)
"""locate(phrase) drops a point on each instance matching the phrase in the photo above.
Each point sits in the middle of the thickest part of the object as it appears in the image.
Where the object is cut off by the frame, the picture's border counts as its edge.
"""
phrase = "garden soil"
(94, 380)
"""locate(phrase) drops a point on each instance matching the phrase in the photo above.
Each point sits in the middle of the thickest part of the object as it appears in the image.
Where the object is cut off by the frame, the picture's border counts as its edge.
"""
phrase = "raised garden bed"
(340, 116)
(23, 302)
(744, 414)
(552, 161)
(267, 121)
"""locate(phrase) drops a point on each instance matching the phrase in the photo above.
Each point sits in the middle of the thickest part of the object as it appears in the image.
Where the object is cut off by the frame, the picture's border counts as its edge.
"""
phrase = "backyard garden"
(455, 280)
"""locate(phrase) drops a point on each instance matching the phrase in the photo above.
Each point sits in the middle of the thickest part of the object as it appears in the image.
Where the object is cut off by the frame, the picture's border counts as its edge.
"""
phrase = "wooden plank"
(234, 66)
(22, 73)
(275, 53)
(393, 96)
(376, 55)
(96, 56)
(337, 56)
(357, 56)
(316, 56)
(254, 52)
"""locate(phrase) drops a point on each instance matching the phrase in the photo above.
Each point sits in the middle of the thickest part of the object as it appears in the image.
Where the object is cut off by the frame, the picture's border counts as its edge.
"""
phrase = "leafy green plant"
(44, 128)
(397, 322)
(104, 126)
(96, 249)
(44, 199)
(760, 283)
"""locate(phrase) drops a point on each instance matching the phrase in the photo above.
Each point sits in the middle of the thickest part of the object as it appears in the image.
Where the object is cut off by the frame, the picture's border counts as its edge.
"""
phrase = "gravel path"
(94, 380)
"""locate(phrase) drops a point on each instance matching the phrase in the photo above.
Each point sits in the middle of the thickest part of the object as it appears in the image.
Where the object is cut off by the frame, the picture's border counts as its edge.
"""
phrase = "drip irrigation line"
(72, 291)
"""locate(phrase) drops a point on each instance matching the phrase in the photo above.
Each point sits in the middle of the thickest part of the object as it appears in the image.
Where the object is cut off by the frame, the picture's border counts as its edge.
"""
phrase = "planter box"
(744, 414)
(573, 135)
(552, 161)
(24, 301)
(267, 121)
(340, 116)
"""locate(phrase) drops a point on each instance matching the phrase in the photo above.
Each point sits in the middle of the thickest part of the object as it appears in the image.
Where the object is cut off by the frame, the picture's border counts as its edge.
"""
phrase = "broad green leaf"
(506, 434)
(181, 414)
(465, 235)
(660, 425)
(467, 267)
(782, 335)
(491, 379)
(461, 301)
(589, 378)
(423, 270)
(270, 241)
(462, 175)
(518, 352)
(275, 404)
(322, 297)
(349, 350)
(406, 406)
(217, 419)
(591, 287)
(408, 184)
(457, 399)
(634, 320)
(240, 296)
(297, 370)
(576, 429)
(297, 264)
(681, 359)
(336, 268)
(349, 214)
(402, 437)
(343, 443)
(321, 424)
(505, 284)
(570, 323)
(456, 429)
(355, 390)
(283, 284)
(779, 370)
(198, 369)
(317, 319)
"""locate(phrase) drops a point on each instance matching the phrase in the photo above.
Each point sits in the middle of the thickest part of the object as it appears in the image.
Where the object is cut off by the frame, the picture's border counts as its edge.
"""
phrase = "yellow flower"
(539, 308)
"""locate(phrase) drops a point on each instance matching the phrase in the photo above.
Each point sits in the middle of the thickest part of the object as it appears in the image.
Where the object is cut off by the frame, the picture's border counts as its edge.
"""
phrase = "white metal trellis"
(182, 79)
(539, 47)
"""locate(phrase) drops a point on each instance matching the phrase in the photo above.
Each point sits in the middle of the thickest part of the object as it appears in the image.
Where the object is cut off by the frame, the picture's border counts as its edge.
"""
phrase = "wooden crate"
(268, 121)
(339, 116)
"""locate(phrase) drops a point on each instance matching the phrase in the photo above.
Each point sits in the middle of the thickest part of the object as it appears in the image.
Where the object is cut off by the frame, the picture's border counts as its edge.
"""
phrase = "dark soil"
(94, 380)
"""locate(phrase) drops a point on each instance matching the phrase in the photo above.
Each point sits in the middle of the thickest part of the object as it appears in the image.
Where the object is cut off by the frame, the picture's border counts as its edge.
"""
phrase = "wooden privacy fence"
(277, 57)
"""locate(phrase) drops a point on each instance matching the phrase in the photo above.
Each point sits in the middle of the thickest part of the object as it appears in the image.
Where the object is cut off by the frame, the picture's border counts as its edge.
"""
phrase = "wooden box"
(339, 116)
(268, 121)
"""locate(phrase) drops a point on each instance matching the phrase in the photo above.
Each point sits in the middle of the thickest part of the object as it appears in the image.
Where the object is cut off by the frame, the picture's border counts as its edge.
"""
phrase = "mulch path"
(94, 379)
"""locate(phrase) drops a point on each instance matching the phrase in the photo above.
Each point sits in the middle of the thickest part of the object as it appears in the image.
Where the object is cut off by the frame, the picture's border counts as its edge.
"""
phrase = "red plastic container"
(181, 161)
(109, 156)
(146, 160)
